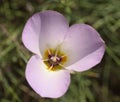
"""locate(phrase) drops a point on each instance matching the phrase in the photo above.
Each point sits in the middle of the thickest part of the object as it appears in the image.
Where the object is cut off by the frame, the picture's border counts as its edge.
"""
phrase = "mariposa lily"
(58, 50)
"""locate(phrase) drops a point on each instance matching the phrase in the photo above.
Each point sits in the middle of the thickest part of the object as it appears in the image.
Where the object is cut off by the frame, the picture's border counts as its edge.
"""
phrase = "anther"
(49, 52)
(63, 56)
(51, 67)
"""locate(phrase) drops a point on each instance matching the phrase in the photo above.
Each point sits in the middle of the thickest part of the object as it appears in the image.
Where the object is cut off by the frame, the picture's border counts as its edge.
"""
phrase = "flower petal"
(53, 29)
(31, 33)
(46, 83)
(84, 47)
(89, 61)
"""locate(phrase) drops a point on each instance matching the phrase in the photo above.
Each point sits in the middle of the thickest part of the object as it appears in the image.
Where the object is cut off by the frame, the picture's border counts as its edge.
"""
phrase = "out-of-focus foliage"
(100, 84)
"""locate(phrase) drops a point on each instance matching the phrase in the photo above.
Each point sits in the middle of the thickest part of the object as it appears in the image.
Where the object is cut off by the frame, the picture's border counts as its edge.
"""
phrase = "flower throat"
(54, 59)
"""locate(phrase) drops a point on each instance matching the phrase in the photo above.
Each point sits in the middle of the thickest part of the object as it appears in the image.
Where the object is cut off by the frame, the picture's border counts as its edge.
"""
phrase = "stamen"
(50, 68)
(49, 52)
(63, 56)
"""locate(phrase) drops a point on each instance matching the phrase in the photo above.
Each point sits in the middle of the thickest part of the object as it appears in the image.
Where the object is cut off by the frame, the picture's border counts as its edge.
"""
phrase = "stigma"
(54, 59)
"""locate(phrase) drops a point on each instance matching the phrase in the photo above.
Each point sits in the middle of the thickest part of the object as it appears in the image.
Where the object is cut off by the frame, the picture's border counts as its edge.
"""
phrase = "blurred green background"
(100, 84)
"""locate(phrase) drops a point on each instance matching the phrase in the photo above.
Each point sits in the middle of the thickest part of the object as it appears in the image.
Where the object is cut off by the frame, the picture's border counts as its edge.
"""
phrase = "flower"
(59, 49)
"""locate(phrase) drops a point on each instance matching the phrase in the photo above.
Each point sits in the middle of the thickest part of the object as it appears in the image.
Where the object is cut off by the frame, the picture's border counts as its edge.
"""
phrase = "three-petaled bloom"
(59, 49)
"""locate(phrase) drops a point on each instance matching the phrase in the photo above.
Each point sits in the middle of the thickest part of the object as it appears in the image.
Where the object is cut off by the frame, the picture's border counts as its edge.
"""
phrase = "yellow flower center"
(54, 59)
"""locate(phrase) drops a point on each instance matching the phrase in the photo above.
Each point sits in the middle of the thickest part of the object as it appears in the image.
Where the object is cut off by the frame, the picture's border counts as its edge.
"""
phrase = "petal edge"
(46, 83)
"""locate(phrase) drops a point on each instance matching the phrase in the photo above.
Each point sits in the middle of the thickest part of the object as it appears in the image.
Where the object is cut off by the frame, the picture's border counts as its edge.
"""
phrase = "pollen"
(54, 59)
